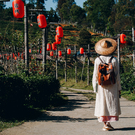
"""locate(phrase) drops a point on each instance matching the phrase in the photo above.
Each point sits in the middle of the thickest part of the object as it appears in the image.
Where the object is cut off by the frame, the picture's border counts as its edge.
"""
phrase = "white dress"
(107, 98)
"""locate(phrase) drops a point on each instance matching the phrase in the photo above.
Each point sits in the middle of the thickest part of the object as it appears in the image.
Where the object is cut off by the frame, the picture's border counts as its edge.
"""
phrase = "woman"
(107, 106)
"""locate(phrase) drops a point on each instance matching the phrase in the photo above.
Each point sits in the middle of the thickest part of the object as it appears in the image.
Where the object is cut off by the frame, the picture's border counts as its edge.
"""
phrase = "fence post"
(133, 47)
(66, 64)
(88, 68)
(75, 63)
(118, 46)
(44, 44)
(57, 63)
(26, 38)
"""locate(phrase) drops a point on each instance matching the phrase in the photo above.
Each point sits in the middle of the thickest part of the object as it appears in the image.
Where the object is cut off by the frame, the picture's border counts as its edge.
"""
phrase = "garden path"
(76, 118)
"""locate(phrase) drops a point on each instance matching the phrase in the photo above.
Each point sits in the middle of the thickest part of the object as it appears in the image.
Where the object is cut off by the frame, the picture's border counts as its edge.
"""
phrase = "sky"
(50, 3)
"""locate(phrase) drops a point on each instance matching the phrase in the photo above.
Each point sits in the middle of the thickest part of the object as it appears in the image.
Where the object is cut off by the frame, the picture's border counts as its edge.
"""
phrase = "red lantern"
(69, 51)
(122, 37)
(18, 8)
(51, 53)
(60, 53)
(59, 31)
(57, 39)
(81, 50)
(7, 57)
(18, 54)
(31, 24)
(54, 46)
(13, 55)
(41, 19)
(22, 56)
(29, 50)
(48, 47)
(40, 50)
(15, 58)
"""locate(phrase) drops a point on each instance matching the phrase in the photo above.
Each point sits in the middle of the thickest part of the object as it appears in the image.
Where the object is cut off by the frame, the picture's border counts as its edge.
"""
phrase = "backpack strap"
(110, 59)
(100, 59)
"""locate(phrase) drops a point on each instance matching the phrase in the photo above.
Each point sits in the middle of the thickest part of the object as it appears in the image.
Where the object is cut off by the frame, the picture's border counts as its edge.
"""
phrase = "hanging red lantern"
(40, 50)
(81, 50)
(8, 57)
(29, 50)
(51, 53)
(22, 56)
(54, 46)
(60, 53)
(18, 54)
(48, 47)
(59, 31)
(15, 58)
(41, 19)
(57, 39)
(122, 38)
(13, 55)
(68, 51)
(18, 8)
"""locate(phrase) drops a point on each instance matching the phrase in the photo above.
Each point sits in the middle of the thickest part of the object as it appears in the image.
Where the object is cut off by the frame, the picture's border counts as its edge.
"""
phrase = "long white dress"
(107, 98)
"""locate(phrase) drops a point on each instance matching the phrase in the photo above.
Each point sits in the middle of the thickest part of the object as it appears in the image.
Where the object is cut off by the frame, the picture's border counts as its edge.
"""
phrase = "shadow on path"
(60, 114)
(125, 128)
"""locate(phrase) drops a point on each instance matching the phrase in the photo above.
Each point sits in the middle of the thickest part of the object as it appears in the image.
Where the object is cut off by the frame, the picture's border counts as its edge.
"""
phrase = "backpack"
(106, 75)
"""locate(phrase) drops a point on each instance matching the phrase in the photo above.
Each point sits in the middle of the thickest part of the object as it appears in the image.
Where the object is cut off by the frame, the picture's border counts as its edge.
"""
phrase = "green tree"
(84, 37)
(77, 14)
(65, 12)
(98, 12)
(59, 6)
(122, 16)
(40, 4)
(52, 16)
(7, 14)
(2, 5)
(63, 8)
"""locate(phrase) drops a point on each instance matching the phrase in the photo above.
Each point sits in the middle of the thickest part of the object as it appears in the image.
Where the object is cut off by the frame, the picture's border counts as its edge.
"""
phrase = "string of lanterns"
(18, 12)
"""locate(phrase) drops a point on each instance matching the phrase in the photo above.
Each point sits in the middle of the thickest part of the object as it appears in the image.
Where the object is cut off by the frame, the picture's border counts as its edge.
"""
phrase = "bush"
(127, 75)
(12, 92)
(19, 91)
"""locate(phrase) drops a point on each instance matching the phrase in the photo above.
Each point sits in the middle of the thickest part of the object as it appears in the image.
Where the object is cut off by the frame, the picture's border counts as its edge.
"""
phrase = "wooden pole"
(44, 44)
(75, 63)
(133, 47)
(66, 64)
(26, 38)
(57, 63)
(118, 46)
(88, 68)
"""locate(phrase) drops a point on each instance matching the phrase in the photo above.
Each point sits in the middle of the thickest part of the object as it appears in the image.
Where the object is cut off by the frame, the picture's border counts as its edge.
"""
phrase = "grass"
(5, 125)
(79, 85)
(128, 95)
(13, 118)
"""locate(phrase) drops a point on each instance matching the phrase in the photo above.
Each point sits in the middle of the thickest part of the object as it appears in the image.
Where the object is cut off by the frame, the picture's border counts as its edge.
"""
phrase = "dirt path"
(76, 118)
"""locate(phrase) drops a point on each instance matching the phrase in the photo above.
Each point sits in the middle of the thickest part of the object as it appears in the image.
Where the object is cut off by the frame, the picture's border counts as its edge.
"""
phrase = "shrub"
(19, 91)
(127, 75)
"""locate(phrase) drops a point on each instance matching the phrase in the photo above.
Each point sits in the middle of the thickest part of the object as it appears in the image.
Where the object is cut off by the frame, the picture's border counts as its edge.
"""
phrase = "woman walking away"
(106, 83)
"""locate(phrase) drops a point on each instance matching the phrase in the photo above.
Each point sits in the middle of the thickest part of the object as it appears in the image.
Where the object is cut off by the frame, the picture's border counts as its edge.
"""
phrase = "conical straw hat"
(106, 46)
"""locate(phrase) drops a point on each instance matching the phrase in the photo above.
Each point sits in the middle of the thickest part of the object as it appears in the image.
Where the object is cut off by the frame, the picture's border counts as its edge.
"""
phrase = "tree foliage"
(63, 9)
(84, 37)
(77, 14)
(122, 16)
(98, 12)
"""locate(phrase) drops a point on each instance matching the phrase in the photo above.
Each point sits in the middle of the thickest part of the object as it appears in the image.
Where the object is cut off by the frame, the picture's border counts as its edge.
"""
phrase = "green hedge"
(35, 91)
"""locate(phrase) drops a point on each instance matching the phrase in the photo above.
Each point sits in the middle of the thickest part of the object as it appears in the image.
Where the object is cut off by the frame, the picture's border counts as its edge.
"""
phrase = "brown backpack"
(106, 75)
